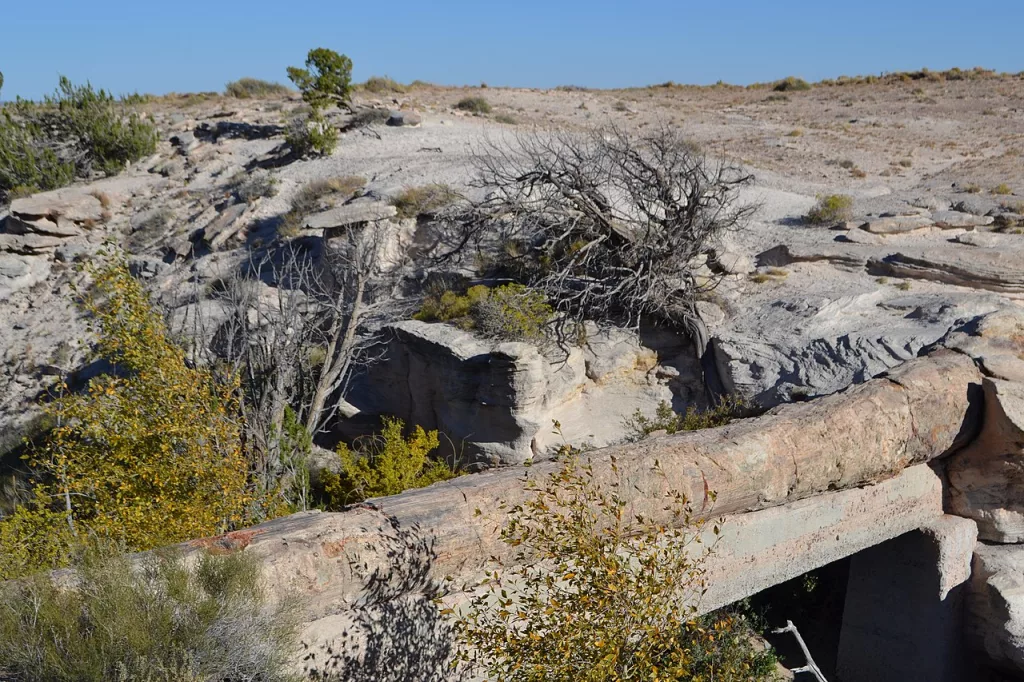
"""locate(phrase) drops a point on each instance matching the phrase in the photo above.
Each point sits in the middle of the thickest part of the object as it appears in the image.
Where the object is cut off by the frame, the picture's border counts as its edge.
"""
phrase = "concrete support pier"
(904, 614)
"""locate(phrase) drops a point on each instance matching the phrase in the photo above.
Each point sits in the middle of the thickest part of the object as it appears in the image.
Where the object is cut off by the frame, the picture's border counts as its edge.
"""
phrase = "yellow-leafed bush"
(385, 464)
(148, 457)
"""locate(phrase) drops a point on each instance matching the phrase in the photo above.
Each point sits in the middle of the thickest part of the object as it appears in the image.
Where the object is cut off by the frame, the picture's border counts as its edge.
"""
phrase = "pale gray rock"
(797, 348)
(731, 263)
(226, 225)
(21, 272)
(350, 214)
(957, 219)
(987, 477)
(858, 236)
(404, 118)
(56, 226)
(497, 402)
(1000, 270)
(74, 204)
(30, 244)
(995, 606)
(897, 224)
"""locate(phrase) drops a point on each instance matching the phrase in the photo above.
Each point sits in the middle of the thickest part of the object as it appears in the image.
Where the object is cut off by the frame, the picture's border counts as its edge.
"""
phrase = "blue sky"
(187, 46)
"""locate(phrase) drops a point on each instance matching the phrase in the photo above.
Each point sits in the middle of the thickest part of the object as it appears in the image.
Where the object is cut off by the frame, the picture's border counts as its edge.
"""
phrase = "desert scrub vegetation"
(76, 132)
(380, 85)
(598, 222)
(507, 119)
(311, 134)
(474, 105)
(791, 84)
(384, 464)
(830, 208)
(414, 201)
(254, 88)
(326, 80)
(249, 187)
(639, 426)
(159, 619)
(1002, 189)
(596, 592)
(510, 312)
(145, 458)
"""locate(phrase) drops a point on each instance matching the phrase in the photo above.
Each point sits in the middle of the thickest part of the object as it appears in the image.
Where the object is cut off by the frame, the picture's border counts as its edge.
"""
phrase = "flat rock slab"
(839, 254)
(19, 272)
(956, 219)
(75, 205)
(1000, 270)
(57, 226)
(350, 214)
(897, 224)
(29, 243)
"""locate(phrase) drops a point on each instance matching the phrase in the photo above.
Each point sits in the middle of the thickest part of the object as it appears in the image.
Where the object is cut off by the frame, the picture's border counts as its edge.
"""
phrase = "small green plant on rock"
(414, 201)
(831, 208)
(384, 464)
(639, 426)
(510, 312)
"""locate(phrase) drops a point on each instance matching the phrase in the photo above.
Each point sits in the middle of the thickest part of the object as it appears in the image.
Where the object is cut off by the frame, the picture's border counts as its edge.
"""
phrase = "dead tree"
(612, 226)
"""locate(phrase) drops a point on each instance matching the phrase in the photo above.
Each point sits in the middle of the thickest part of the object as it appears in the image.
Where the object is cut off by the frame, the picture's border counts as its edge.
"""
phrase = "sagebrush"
(158, 620)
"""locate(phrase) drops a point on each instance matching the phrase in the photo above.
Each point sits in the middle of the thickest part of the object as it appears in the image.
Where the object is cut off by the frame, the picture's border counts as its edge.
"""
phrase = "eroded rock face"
(498, 402)
(987, 478)
(995, 606)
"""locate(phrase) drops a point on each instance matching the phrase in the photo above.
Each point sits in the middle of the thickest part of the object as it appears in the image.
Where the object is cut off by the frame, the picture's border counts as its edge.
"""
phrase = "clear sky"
(158, 46)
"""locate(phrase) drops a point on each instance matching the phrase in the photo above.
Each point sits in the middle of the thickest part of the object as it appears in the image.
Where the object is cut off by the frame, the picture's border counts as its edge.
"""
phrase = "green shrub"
(326, 80)
(507, 119)
(595, 592)
(75, 132)
(248, 88)
(665, 419)
(1002, 189)
(380, 85)
(249, 187)
(791, 84)
(831, 208)
(514, 312)
(158, 622)
(415, 201)
(312, 134)
(510, 312)
(450, 306)
(384, 464)
(475, 105)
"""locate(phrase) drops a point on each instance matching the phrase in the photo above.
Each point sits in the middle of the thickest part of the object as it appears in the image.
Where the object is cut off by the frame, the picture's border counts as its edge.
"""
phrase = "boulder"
(995, 606)
(404, 118)
(986, 479)
(731, 263)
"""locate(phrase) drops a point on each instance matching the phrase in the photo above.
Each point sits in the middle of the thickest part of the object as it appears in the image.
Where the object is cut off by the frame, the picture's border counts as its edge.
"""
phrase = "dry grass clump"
(831, 208)
(1002, 189)
(254, 88)
(507, 119)
(474, 105)
(415, 201)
